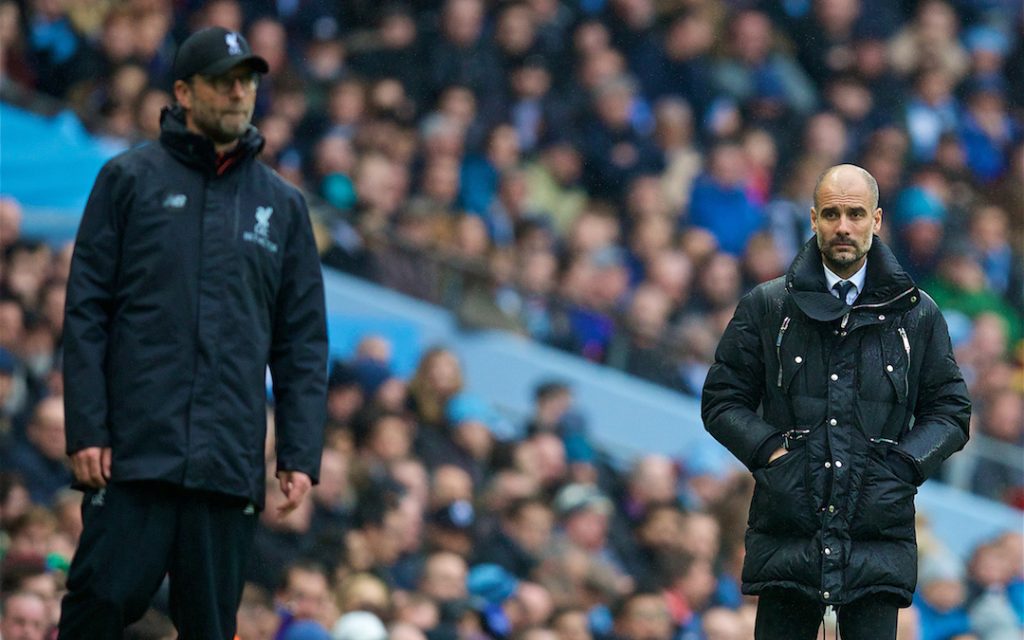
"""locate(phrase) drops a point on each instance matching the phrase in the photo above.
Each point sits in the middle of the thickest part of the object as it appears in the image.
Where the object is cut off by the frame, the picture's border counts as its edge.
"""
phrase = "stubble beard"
(216, 129)
(839, 258)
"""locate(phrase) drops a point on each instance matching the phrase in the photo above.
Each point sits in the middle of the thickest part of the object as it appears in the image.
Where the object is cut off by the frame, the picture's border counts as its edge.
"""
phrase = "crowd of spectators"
(426, 525)
(609, 176)
(605, 176)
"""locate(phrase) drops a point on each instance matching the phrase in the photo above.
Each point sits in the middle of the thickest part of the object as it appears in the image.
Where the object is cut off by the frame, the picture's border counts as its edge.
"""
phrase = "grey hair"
(868, 179)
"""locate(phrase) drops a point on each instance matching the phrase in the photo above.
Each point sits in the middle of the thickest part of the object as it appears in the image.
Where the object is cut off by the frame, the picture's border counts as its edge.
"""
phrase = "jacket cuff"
(764, 452)
(76, 443)
(903, 467)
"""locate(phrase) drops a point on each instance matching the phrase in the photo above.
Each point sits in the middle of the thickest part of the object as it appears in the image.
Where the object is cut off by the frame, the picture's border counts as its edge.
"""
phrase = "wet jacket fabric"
(868, 400)
(189, 277)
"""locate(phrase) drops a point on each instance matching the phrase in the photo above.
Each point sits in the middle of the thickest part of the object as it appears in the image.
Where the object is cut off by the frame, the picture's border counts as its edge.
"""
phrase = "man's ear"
(814, 220)
(878, 219)
(183, 93)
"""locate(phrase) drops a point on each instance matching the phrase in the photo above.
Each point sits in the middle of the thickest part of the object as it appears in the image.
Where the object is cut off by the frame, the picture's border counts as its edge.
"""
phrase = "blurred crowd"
(607, 176)
(427, 525)
(604, 176)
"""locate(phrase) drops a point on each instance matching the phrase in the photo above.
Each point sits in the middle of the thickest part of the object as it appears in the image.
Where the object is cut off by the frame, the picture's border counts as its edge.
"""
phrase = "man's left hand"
(778, 453)
(294, 485)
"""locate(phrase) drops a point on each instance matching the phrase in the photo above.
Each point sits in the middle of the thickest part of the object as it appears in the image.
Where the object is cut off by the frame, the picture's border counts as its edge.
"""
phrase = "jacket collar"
(886, 285)
(197, 151)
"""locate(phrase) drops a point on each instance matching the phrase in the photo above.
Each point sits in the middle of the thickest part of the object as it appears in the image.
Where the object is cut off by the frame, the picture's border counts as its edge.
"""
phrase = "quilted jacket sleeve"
(943, 408)
(735, 384)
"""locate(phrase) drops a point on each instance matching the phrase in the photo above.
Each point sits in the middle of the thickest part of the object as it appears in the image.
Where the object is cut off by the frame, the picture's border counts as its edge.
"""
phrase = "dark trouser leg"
(211, 549)
(121, 559)
(870, 618)
(787, 615)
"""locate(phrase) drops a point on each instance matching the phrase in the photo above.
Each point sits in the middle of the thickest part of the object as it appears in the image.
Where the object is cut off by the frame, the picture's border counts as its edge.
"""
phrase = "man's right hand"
(778, 453)
(91, 466)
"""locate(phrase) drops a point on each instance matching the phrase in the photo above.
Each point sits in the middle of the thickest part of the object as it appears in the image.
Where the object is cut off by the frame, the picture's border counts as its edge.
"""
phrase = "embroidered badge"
(260, 233)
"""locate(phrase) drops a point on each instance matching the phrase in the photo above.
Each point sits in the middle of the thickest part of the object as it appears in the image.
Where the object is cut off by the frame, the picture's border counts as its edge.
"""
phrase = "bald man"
(837, 387)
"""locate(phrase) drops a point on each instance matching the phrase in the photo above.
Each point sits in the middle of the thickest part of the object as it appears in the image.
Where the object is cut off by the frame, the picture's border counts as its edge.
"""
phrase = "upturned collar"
(886, 285)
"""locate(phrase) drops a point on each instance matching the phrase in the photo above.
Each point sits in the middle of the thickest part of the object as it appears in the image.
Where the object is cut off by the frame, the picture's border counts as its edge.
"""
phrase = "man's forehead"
(845, 180)
(843, 183)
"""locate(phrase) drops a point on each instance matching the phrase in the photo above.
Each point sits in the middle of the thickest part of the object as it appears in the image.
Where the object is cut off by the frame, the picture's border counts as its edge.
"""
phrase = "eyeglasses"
(225, 84)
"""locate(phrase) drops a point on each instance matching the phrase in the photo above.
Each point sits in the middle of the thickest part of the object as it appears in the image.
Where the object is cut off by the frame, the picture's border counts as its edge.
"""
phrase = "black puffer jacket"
(872, 402)
(187, 280)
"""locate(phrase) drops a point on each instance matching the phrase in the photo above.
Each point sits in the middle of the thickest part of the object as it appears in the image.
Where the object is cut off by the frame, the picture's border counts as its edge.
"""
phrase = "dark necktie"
(843, 289)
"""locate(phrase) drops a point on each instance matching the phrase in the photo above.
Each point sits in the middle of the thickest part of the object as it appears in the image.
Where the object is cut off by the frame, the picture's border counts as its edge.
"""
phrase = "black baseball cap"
(213, 51)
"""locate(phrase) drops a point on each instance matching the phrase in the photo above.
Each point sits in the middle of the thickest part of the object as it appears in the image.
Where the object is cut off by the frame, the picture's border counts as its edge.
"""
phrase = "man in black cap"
(194, 269)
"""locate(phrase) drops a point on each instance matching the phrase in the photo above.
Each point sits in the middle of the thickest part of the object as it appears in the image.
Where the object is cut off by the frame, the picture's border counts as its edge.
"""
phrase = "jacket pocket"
(781, 502)
(789, 367)
(896, 362)
(798, 352)
(885, 507)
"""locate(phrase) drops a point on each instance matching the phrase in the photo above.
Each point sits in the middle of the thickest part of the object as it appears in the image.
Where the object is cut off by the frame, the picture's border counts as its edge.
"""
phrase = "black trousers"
(134, 534)
(787, 615)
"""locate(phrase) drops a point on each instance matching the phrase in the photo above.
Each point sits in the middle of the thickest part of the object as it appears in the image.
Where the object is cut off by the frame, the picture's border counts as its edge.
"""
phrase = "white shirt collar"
(857, 279)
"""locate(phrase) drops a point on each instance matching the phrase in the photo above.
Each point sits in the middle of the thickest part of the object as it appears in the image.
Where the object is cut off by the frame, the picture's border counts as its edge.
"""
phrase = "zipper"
(238, 213)
(793, 435)
(906, 347)
(884, 441)
(195, 356)
(778, 346)
(906, 341)
(882, 304)
(875, 305)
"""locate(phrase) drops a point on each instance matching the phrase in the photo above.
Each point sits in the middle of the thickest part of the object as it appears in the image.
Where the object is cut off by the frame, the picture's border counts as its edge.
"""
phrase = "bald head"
(845, 217)
(843, 176)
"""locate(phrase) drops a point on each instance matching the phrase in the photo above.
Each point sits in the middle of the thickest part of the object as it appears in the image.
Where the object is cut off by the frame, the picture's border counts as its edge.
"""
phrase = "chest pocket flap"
(794, 345)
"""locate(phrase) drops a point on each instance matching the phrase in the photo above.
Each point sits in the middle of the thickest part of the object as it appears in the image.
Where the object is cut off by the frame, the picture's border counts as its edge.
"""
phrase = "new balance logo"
(250, 509)
(98, 498)
(175, 201)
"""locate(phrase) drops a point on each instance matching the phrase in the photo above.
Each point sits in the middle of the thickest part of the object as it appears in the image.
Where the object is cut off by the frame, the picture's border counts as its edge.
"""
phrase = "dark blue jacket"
(187, 281)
